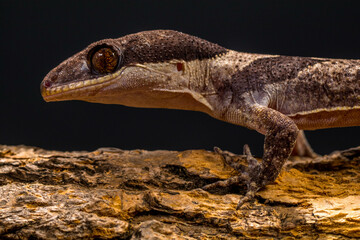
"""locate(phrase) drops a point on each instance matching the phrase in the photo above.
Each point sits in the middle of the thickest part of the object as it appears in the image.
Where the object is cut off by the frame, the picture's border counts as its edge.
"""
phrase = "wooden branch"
(110, 193)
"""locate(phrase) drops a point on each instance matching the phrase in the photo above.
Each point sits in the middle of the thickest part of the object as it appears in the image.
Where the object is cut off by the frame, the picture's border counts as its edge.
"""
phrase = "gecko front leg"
(280, 136)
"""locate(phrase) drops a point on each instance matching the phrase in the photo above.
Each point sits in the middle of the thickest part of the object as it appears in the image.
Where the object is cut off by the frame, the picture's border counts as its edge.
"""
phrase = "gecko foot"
(246, 174)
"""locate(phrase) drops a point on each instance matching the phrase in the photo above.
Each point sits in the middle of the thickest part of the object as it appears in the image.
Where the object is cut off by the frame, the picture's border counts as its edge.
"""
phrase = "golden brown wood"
(110, 193)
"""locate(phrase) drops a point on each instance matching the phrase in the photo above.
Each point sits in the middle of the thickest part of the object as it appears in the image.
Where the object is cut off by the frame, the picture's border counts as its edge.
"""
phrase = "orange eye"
(105, 60)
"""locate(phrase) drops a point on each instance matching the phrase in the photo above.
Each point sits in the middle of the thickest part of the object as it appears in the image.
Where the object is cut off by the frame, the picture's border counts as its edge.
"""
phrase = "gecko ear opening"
(104, 59)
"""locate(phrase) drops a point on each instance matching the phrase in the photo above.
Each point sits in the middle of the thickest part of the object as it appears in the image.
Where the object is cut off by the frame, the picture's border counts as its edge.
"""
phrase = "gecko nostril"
(47, 83)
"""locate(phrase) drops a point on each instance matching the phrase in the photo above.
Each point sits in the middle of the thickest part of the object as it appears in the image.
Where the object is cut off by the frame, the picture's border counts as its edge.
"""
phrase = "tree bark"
(111, 193)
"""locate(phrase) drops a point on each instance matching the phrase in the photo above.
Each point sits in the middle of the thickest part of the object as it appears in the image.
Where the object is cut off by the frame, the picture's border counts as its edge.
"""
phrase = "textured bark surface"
(110, 193)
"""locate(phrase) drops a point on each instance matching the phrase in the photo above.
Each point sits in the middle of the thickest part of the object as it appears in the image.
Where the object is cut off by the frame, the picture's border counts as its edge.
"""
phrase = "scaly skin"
(274, 95)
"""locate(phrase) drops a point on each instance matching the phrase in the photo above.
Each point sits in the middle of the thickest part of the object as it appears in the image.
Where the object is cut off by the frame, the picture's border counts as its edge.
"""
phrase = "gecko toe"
(231, 160)
(249, 196)
(253, 164)
(235, 180)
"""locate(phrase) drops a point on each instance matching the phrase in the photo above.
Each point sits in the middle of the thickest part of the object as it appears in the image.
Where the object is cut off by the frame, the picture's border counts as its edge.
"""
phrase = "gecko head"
(132, 70)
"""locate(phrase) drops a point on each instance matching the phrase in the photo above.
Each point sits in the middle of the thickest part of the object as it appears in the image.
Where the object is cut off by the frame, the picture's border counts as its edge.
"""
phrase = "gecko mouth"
(62, 92)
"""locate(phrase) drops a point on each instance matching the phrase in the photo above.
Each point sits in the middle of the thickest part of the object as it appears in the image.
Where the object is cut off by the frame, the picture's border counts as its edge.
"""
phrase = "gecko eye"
(104, 60)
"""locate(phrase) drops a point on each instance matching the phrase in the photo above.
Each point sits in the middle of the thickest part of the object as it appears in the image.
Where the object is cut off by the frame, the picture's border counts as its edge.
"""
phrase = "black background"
(38, 35)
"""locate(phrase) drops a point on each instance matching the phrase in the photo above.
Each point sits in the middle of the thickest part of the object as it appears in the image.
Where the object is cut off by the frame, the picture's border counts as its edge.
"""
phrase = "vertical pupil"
(104, 60)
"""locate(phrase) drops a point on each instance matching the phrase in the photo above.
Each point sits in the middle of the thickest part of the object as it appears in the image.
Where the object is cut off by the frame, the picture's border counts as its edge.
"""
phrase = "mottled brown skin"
(274, 95)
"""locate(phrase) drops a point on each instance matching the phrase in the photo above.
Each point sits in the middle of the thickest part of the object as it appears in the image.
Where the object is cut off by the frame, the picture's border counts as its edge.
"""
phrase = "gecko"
(278, 96)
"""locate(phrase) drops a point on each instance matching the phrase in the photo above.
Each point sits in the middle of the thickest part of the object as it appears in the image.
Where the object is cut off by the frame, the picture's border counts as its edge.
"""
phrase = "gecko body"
(275, 95)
